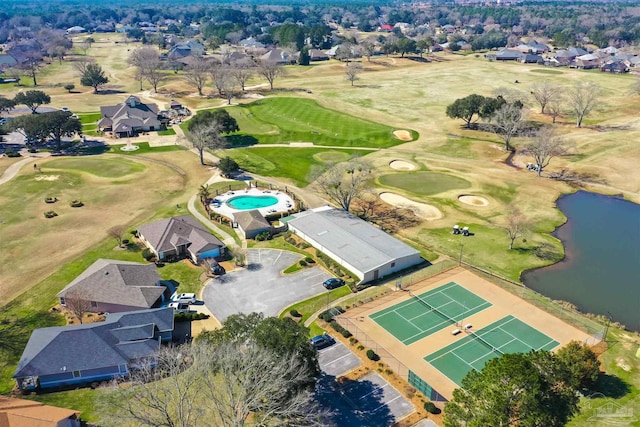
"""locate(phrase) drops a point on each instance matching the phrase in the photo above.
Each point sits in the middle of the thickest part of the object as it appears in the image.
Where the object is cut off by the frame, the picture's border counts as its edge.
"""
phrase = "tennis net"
(432, 308)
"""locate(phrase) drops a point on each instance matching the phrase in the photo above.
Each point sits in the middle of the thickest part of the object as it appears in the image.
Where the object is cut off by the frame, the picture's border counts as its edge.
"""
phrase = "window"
(76, 374)
(94, 304)
(62, 301)
(393, 264)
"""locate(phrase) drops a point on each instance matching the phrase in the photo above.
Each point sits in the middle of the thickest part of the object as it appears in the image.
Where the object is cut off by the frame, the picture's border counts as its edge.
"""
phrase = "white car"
(179, 307)
(184, 298)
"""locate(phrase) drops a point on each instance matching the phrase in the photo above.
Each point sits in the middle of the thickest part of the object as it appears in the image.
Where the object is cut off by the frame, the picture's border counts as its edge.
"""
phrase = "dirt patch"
(471, 200)
(402, 135)
(402, 165)
(623, 364)
(47, 177)
(422, 210)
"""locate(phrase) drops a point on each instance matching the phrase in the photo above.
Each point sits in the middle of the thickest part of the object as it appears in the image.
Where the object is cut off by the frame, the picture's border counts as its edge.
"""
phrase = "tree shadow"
(611, 386)
(352, 403)
(236, 141)
(109, 92)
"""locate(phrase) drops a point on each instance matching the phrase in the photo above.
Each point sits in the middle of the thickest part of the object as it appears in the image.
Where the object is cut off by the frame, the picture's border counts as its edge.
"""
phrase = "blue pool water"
(244, 203)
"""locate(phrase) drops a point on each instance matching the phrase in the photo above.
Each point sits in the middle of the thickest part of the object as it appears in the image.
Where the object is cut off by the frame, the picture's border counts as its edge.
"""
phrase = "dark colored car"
(322, 341)
(333, 283)
(218, 270)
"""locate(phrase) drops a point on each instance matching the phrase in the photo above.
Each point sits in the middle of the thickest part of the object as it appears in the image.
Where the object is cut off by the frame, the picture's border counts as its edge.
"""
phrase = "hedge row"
(342, 331)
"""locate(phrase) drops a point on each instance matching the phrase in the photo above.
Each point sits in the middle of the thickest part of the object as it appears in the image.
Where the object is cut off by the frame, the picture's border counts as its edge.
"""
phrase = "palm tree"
(204, 194)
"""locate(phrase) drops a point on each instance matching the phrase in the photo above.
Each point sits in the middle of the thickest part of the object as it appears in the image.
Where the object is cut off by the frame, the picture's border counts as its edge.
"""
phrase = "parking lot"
(337, 360)
(260, 287)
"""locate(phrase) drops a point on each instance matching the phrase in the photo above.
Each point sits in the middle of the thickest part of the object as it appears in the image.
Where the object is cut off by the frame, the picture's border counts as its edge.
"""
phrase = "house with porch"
(115, 286)
(29, 413)
(63, 356)
(131, 118)
(180, 237)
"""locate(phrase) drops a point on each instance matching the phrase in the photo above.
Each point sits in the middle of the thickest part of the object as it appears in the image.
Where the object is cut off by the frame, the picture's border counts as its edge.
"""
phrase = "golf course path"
(15, 168)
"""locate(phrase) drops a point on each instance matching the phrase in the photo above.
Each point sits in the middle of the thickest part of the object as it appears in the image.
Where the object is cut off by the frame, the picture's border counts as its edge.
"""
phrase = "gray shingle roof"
(165, 234)
(356, 241)
(251, 220)
(117, 282)
(94, 345)
(131, 113)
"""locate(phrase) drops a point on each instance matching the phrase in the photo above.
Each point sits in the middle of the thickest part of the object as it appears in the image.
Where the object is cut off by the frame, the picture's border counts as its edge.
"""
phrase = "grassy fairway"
(289, 163)
(424, 183)
(285, 120)
(107, 168)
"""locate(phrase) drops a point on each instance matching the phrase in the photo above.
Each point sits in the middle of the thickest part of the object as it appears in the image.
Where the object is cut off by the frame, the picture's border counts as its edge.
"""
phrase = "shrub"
(372, 355)
(134, 233)
(125, 241)
(50, 214)
(345, 333)
(431, 408)
(303, 263)
(76, 204)
(290, 241)
(265, 235)
(50, 199)
(338, 328)
(388, 371)
(360, 347)
(13, 154)
(353, 340)
(148, 254)
(295, 313)
(310, 260)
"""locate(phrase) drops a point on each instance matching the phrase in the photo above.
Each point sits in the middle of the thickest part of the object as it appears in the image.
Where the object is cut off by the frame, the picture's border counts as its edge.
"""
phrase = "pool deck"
(284, 204)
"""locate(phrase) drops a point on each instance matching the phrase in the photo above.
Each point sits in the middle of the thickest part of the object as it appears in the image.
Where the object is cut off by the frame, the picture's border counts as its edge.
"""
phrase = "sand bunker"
(47, 177)
(421, 210)
(403, 135)
(402, 165)
(468, 199)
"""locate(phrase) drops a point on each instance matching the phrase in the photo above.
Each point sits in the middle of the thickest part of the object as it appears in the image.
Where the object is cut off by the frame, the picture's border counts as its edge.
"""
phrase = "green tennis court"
(472, 351)
(424, 314)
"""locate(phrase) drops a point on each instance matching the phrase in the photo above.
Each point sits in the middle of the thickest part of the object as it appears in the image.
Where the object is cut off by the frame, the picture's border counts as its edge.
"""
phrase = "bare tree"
(228, 385)
(77, 303)
(220, 75)
(544, 92)
(352, 71)
(226, 83)
(205, 136)
(81, 65)
(31, 65)
(582, 99)
(149, 66)
(516, 225)
(270, 71)
(343, 183)
(508, 121)
(545, 146)
(555, 107)
(196, 74)
(164, 393)
(241, 73)
(85, 45)
(253, 383)
(117, 232)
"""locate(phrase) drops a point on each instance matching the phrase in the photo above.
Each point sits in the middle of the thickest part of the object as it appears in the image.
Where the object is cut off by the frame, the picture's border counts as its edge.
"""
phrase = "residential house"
(179, 237)
(76, 30)
(385, 28)
(505, 54)
(530, 58)
(587, 61)
(251, 43)
(616, 67)
(565, 57)
(29, 413)
(279, 56)
(115, 286)
(532, 47)
(63, 356)
(183, 50)
(358, 246)
(251, 223)
(317, 55)
(130, 118)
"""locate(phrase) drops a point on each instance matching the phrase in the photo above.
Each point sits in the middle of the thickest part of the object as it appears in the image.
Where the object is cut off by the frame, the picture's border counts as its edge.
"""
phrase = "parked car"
(333, 283)
(65, 109)
(218, 270)
(322, 341)
(4, 121)
(185, 298)
(179, 307)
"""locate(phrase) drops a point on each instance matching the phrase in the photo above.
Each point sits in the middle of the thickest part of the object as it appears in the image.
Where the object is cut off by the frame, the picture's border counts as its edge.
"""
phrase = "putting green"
(332, 156)
(107, 168)
(424, 183)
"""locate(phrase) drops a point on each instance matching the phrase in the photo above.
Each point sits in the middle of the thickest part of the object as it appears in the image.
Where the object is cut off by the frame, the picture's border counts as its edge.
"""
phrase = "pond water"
(600, 271)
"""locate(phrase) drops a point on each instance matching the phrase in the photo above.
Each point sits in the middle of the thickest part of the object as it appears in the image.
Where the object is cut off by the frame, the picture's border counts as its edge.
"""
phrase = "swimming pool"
(244, 203)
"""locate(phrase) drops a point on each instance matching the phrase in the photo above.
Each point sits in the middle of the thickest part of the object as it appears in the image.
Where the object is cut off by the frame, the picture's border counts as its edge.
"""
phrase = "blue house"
(61, 356)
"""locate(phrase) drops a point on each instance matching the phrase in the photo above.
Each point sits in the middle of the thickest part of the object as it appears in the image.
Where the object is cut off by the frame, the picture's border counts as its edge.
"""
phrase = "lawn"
(289, 163)
(143, 148)
(424, 183)
(107, 168)
(285, 120)
(166, 132)
(313, 304)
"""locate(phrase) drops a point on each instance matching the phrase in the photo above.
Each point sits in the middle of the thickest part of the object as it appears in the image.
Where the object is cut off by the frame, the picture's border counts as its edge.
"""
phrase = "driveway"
(260, 287)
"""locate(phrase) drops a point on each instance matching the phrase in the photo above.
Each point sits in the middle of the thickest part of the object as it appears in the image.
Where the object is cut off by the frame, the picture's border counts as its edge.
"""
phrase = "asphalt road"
(260, 287)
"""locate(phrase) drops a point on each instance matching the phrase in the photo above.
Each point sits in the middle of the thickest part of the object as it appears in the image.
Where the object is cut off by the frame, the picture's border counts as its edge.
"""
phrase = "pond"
(600, 271)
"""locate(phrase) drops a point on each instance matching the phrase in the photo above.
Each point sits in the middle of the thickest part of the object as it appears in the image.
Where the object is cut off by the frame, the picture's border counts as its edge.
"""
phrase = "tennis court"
(472, 351)
(429, 312)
